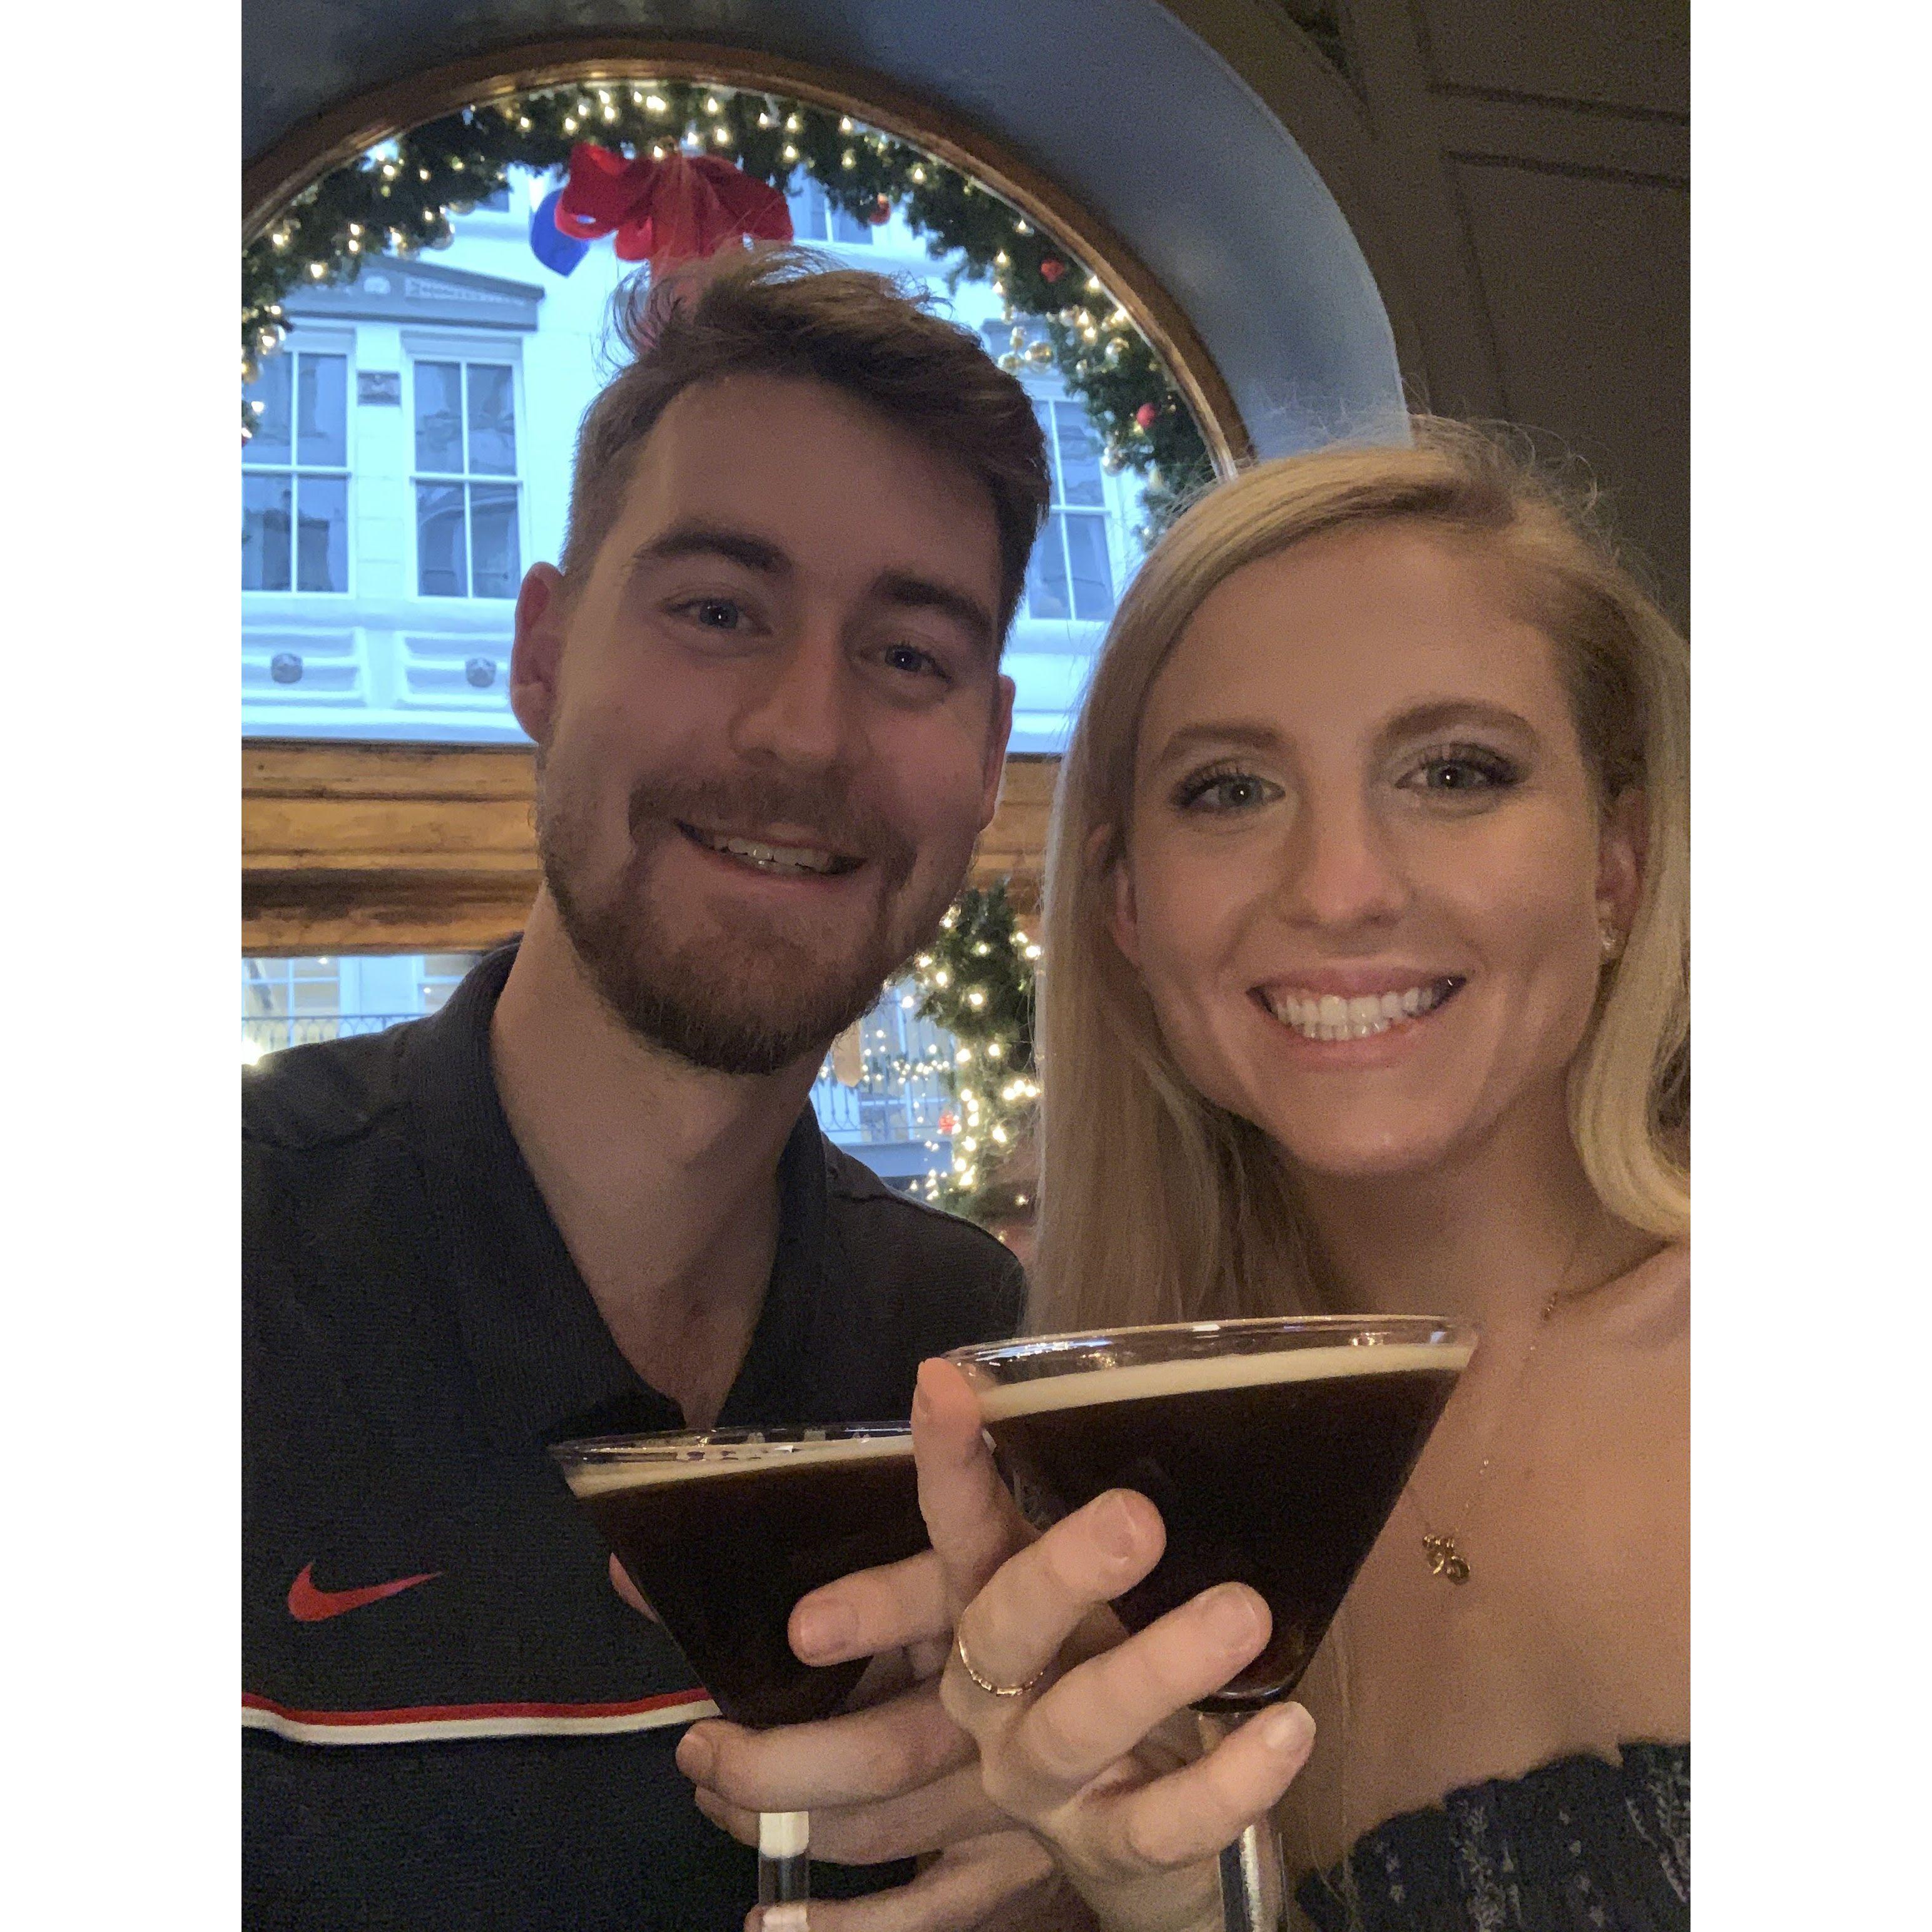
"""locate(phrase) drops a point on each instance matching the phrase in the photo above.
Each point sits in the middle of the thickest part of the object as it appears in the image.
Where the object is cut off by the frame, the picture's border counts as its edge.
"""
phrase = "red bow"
(674, 210)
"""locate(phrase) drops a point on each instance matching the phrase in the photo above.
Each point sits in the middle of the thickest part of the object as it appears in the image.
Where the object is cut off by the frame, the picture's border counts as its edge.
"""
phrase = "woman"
(1367, 931)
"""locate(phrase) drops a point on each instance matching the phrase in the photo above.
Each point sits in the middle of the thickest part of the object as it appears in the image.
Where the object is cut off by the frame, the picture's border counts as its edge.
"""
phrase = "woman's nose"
(1340, 869)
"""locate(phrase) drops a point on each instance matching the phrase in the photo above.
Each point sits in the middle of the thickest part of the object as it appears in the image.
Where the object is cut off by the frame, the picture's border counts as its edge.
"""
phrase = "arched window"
(417, 351)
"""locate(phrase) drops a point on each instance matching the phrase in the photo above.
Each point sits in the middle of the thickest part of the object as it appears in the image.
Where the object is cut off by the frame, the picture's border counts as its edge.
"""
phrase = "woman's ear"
(1621, 849)
(1122, 921)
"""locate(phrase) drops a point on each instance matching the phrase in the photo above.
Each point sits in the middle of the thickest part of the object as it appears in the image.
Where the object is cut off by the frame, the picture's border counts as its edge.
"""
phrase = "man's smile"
(767, 855)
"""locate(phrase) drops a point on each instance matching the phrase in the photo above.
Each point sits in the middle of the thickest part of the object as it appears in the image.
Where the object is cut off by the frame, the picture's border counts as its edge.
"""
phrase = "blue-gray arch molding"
(1125, 108)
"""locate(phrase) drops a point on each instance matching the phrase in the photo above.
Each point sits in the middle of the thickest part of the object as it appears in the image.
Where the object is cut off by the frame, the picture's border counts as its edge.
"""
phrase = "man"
(589, 1195)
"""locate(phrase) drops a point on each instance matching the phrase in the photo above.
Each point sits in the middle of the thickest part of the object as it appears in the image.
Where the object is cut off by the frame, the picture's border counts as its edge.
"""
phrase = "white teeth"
(775, 858)
(1328, 1016)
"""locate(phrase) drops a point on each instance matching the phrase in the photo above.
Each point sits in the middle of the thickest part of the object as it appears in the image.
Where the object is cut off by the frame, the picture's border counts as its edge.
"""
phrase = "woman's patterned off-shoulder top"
(1578, 1846)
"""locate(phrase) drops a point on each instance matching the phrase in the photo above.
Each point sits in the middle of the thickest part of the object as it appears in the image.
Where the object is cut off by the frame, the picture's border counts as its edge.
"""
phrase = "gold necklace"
(1442, 1549)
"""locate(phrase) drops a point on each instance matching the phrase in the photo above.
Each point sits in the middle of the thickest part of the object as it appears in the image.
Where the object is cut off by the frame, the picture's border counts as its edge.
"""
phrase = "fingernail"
(1114, 1527)
(1231, 1618)
(784, 1919)
(1287, 1728)
(818, 1629)
(696, 1755)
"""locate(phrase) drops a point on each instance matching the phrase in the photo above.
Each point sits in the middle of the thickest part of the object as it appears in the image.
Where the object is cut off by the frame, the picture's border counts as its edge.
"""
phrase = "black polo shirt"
(450, 1717)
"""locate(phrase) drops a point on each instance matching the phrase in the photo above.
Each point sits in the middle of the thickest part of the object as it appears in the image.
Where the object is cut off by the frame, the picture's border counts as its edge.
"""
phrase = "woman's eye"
(1225, 791)
(1460, 771)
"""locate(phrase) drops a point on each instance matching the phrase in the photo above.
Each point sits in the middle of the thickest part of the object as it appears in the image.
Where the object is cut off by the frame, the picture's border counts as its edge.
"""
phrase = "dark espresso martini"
(1276, 1467)
(723, 1534)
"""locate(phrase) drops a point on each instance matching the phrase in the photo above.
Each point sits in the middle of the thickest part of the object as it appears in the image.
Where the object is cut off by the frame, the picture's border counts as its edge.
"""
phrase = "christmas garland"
(977, 981)
(399, 198)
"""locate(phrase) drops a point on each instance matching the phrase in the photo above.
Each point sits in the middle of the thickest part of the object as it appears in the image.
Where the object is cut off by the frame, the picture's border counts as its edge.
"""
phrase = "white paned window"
(1070, 574)
(466, 479)
(295, 475)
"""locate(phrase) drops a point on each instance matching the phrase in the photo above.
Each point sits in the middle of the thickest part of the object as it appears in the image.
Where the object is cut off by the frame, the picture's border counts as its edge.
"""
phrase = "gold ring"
(997, 1690)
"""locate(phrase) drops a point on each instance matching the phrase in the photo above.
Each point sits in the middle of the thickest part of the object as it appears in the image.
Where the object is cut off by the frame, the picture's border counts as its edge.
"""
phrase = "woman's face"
(1366, 867)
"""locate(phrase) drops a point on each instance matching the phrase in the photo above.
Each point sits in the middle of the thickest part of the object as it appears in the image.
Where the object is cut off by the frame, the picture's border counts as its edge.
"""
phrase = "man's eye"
(912, 660)
(1224, 791)
(713, 613)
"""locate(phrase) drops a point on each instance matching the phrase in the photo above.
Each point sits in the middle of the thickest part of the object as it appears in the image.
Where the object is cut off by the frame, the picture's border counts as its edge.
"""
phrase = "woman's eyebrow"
(1246, 733)
(1444, 714)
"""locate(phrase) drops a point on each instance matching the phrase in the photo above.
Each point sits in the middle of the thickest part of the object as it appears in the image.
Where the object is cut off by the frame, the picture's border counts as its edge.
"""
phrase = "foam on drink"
(1139, 1380)
(616, 1471)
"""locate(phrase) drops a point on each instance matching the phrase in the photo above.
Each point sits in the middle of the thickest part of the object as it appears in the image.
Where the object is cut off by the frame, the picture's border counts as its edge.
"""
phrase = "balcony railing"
(269, 1033)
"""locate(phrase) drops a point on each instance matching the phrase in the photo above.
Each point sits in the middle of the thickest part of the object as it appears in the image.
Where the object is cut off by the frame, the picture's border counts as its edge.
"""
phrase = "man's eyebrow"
(911, 593)
(1246, 733)
(712, 540)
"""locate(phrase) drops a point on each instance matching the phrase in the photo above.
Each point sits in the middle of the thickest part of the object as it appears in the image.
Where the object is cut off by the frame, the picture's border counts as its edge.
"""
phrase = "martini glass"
(1274, 1449)
(722, 1533)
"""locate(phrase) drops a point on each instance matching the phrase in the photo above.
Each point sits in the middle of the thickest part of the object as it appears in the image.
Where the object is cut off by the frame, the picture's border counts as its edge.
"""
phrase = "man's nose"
(797, 710)
(1342, 867)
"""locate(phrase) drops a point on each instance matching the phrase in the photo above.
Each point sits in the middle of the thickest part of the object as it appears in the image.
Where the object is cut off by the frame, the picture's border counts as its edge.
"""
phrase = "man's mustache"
(826, 814)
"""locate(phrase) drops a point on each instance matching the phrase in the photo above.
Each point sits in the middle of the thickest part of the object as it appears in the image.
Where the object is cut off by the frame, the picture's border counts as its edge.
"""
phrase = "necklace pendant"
(1445, 1560)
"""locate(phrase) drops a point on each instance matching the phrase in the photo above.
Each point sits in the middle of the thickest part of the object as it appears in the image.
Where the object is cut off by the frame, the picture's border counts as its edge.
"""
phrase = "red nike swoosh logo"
(308, 1605)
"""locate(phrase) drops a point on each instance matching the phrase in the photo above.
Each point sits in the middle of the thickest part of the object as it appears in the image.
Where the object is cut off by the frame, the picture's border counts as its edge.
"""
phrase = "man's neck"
(661, 1177)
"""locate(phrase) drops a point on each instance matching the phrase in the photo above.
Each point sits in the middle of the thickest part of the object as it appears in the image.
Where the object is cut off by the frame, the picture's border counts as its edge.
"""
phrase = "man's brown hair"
(782, 311)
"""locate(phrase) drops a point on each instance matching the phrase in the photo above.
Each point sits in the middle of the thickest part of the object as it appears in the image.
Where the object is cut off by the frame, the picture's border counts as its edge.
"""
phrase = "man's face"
(770, 721)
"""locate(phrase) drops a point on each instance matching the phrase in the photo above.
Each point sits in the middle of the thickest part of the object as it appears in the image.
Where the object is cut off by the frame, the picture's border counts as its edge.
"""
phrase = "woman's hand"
(892, 1778)
(1097, 1754)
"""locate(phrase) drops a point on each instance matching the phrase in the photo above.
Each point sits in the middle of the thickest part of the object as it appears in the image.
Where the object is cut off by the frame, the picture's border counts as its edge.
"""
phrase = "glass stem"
(1252, 1898)
(784, 1858)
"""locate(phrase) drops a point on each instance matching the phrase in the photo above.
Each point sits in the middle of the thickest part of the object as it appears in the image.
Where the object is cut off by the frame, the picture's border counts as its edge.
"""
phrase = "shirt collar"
(546, 1365)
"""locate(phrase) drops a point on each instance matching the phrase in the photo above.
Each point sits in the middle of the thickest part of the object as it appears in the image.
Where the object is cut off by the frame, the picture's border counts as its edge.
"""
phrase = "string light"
(711, 105)
(657, 103)
(845, 125)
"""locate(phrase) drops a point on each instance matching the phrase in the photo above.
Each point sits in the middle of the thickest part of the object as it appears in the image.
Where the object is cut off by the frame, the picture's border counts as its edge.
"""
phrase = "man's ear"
(1124, 920)
(1621, 848)
(997, 732)
(536, 657)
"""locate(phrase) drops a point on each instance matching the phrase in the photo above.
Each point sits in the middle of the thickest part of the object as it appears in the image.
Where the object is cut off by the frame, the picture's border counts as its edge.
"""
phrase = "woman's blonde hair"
(1157, 1204)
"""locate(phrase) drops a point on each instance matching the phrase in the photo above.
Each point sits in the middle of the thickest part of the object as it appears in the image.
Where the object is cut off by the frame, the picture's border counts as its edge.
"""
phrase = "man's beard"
(742, 1001)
